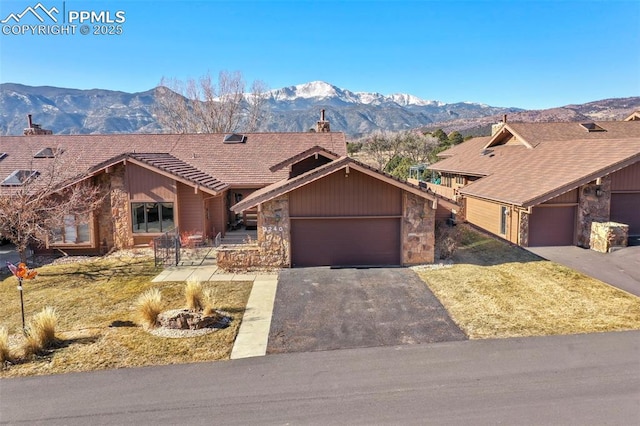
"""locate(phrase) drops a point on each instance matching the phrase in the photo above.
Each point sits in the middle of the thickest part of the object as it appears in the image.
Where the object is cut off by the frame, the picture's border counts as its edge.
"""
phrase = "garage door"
(552, 226)
(345, 242)
(625, 208)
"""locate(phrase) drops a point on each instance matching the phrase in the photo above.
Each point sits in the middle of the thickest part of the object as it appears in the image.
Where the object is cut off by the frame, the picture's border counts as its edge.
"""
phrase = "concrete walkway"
(620, 269)
(253, 335)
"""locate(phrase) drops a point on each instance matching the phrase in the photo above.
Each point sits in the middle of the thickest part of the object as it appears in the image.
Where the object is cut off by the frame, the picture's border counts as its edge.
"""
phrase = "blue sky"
(529, 54)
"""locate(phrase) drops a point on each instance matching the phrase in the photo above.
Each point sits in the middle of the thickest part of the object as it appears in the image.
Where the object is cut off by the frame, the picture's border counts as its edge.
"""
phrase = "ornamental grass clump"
(41, 331)
(5, 351)
(208, 304)
(194, 295)
(148, 307)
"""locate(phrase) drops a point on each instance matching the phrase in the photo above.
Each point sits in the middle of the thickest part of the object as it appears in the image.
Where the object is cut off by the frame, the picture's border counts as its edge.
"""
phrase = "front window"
(76, 230)
(152, 217)
(504, 215)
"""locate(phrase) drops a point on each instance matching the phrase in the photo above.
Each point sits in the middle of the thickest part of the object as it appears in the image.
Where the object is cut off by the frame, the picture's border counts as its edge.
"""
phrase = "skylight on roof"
(19, 177)
(234, 138)
(592, 127)
(48, 153)
(3, 155)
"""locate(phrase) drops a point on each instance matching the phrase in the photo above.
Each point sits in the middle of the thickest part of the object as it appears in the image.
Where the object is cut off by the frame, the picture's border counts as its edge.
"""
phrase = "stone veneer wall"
(418, 230)
(592, 208)
(273, 248)
(524, 229)
(114, 215)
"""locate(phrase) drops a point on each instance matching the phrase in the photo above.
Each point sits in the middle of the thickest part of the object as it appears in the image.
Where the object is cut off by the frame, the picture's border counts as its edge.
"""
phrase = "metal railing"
(166, 248)
(217, 240)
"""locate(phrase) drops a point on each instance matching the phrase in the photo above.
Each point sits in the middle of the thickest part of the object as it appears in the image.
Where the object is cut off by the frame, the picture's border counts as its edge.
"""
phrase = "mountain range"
(293, 108)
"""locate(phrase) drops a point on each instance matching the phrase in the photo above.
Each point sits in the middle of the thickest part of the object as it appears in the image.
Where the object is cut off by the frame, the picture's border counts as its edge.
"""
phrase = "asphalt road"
(583, 379)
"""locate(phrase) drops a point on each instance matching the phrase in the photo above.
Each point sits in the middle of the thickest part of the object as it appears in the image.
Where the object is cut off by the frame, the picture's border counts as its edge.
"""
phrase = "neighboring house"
(156, 183)
(333, 210)
(543, 184)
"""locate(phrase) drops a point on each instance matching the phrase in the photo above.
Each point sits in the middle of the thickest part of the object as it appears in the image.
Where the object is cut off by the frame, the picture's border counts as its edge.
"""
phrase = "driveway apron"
(324, 309)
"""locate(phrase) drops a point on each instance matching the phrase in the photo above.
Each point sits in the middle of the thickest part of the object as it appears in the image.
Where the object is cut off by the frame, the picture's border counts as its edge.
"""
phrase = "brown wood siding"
(217, 214)
(190, 210)
(442, 214)
(568, 197)
(627, 179)
(145, 185)
(552, 226)
(342, 242)
(625, 208)
(337, 195)
(484, 214)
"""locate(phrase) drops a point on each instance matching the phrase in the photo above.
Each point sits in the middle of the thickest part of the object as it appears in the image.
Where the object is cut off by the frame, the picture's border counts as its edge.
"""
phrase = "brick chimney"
(34, 129)
(323, 125)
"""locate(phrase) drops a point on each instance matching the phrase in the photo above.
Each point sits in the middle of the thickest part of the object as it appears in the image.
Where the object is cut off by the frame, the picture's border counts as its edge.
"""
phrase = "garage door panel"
(552, 226)
(625, 208)
(342, 242)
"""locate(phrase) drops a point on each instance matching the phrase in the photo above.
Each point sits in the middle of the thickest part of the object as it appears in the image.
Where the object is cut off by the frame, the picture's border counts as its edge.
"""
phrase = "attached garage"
(625, 208)
(552, 226)
(342, 213)
(345, 219)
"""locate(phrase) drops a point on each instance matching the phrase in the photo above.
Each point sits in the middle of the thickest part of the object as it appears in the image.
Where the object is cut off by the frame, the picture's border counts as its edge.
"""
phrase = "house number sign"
(272, 228)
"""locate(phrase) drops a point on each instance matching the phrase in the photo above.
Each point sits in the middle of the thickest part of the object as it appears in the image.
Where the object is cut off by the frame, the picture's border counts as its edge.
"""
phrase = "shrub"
(447, 240)
(41, 331)
(194, 295)
(149, 306)
(5, 352)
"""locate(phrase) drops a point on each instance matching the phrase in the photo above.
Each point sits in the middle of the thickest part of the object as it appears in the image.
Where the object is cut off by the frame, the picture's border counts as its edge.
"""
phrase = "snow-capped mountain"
(321, 90)
(293, 108)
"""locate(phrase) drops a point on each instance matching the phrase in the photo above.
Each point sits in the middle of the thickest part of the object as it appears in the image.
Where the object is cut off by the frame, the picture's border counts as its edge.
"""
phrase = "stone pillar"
(274, 233)
(594, 205)
(524, 229)
(105, 222)
(120, 210)
(418, 230)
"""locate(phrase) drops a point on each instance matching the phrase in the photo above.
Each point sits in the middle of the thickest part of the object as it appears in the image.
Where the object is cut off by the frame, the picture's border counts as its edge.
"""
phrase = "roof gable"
(507, 136)
(343, 163)
(313, 151)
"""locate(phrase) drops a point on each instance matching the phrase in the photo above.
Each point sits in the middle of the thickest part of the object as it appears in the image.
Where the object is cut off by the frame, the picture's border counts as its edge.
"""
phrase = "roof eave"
(582, 181)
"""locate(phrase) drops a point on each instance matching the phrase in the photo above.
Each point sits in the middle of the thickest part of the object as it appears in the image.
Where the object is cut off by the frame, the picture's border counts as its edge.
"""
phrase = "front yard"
(97, 323)
(495, 290)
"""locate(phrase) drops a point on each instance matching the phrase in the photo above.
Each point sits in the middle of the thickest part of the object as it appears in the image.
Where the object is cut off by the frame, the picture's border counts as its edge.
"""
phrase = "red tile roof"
(555, 158)
(240, 164)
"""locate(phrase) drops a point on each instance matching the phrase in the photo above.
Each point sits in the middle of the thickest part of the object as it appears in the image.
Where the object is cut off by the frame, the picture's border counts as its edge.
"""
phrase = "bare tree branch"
(31, 213)
(208, 106)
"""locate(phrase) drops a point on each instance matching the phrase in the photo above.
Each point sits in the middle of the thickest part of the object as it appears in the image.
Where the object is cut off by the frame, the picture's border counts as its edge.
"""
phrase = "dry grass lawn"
(95, 303)
(496, 290)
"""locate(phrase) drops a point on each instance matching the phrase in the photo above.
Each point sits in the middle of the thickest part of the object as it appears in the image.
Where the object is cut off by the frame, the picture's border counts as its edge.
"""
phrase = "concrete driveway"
(620, 269)
(324, 309)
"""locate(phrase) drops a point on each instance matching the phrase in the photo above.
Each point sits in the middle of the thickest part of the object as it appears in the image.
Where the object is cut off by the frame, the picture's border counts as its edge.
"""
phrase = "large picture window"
(75, 231)
(152, 217)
